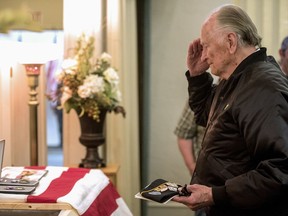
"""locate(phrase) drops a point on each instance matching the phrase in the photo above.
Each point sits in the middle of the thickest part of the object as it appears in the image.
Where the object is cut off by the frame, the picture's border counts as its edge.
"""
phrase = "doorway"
(53, 116)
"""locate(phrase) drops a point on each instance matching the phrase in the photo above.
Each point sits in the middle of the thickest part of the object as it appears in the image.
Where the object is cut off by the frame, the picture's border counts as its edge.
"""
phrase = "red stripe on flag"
(60, 186)
(105, 203)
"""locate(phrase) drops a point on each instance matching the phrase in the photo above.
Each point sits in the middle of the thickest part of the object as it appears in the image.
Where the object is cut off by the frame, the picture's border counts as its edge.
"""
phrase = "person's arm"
(185, 131)
(200, 83)
(195, 64)
(187, 151)
(199, 89)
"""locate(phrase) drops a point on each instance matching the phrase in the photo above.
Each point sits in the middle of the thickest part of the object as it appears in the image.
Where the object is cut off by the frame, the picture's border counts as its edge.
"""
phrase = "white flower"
(106, 57)
(95, 83)
(69, 66)
(66, 95)
(118, 95)
(111, 76)
(84, 91)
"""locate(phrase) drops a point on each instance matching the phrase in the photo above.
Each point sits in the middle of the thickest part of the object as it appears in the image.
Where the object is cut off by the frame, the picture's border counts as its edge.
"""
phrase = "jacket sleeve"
(200, 91)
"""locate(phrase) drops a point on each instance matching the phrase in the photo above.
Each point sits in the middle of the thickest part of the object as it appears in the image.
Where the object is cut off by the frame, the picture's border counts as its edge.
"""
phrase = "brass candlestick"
(33, 72)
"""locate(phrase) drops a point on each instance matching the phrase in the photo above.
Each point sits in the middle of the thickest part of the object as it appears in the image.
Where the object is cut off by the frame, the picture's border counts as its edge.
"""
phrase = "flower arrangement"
(86, 85)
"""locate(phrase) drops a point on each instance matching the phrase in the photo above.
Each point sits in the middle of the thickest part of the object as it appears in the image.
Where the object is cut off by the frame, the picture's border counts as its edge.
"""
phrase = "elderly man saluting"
(242, 169)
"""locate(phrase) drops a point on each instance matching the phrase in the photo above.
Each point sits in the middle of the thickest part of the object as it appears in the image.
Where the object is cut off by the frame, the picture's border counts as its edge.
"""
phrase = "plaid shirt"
(188, 129)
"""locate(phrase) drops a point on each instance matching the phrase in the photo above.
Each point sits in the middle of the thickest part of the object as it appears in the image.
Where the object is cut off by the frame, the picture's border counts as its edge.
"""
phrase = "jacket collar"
(257, 56)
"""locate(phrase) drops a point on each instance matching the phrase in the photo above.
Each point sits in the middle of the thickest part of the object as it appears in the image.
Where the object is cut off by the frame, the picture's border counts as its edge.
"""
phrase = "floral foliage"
(86, 84)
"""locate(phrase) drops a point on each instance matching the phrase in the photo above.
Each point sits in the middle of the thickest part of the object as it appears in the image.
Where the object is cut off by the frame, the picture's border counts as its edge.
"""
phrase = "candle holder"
(33, 72)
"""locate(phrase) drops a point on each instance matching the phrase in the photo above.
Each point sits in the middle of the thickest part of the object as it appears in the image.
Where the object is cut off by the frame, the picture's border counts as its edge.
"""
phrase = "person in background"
(53, 93)
(189, 137)
(283, 53)
(241, 169)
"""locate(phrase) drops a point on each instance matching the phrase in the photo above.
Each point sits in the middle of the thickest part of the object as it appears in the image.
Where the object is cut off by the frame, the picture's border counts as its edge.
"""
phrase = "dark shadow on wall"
(143, 32)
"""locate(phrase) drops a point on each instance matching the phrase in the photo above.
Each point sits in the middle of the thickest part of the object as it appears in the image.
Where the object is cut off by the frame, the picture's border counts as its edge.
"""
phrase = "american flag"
(88, 191)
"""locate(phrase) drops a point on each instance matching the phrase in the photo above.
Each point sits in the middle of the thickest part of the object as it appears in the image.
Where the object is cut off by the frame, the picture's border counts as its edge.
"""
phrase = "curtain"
(271, 20)
(78, 17)
(123, 134)
(116, 33)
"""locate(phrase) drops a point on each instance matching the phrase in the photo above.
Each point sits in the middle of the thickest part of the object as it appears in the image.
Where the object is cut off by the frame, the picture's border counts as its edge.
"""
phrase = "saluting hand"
(196, 66)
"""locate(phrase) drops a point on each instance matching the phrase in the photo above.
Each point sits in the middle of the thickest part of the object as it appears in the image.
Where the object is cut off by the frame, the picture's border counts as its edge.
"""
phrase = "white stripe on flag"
(89, 187)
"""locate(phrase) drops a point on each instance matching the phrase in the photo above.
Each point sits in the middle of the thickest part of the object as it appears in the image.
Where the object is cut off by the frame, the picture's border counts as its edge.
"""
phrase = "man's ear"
(233, 42)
